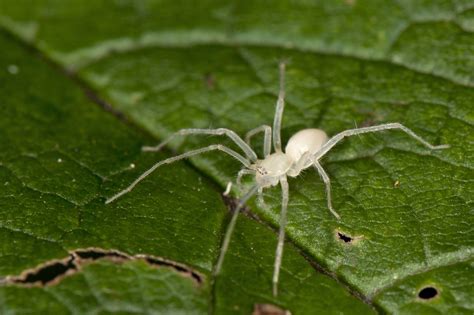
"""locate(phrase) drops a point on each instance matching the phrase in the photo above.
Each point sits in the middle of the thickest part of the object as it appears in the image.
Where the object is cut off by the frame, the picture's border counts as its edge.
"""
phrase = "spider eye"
(261, 170)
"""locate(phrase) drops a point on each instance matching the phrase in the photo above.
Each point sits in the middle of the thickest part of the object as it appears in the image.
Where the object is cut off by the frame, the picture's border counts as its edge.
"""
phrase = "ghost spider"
(303, 150)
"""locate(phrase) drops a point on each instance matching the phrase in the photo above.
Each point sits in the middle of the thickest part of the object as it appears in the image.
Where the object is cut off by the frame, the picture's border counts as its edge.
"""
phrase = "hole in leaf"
(98, 254)
(180, 268)
(53, 271)
(48, 273)
(427, 293)
(344, 238)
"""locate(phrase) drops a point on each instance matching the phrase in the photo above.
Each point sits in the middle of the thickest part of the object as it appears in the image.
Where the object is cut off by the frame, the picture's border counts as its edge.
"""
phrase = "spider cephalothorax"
(270, 169)
(304, 149)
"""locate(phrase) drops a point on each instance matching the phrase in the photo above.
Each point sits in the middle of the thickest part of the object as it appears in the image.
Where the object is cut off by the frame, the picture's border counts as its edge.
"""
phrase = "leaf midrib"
(115, 46)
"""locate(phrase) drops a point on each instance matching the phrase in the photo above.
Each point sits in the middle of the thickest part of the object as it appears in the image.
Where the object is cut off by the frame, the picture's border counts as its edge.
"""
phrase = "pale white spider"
(304, 149)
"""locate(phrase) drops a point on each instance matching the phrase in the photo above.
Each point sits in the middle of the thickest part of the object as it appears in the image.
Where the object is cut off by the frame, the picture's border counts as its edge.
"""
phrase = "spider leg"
(242, 173)
(281, 233)
(251, 155)
(351, 132)
(279, 110)
(267, 142)
(177, 158)
(230, 228)
(327, 182)
(261, 201)
(227, 189)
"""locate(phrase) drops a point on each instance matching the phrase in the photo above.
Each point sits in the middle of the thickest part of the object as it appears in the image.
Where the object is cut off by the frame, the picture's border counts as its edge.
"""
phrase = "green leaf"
(58, 153)
(108, 287)
(444, 299)
(60, 156)
(406, 211)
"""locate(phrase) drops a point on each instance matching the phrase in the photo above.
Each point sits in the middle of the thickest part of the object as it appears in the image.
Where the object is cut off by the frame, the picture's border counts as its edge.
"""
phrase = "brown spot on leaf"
(269, 309)
(210, 81)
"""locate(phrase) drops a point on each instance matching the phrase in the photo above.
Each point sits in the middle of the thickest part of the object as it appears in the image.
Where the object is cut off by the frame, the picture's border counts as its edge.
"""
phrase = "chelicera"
(304, 149)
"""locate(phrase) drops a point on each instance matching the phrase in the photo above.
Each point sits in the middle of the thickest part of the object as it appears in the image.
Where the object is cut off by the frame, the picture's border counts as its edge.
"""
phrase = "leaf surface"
(408, 211)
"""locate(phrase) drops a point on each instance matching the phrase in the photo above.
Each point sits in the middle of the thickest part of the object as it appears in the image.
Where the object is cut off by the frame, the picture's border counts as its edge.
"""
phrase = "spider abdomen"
(306, 140)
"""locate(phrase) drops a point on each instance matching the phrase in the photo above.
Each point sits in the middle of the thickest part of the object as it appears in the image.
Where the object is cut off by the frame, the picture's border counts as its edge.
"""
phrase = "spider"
(303, 150)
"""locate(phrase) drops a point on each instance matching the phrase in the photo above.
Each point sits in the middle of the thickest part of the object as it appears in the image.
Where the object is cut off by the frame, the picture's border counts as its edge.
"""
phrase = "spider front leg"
(279, 110)
(240, 174)
(267, 140)
(261, 200)
(327, 182)
(251, 155)
(188, 154)
(230, 228)
(281, 233)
